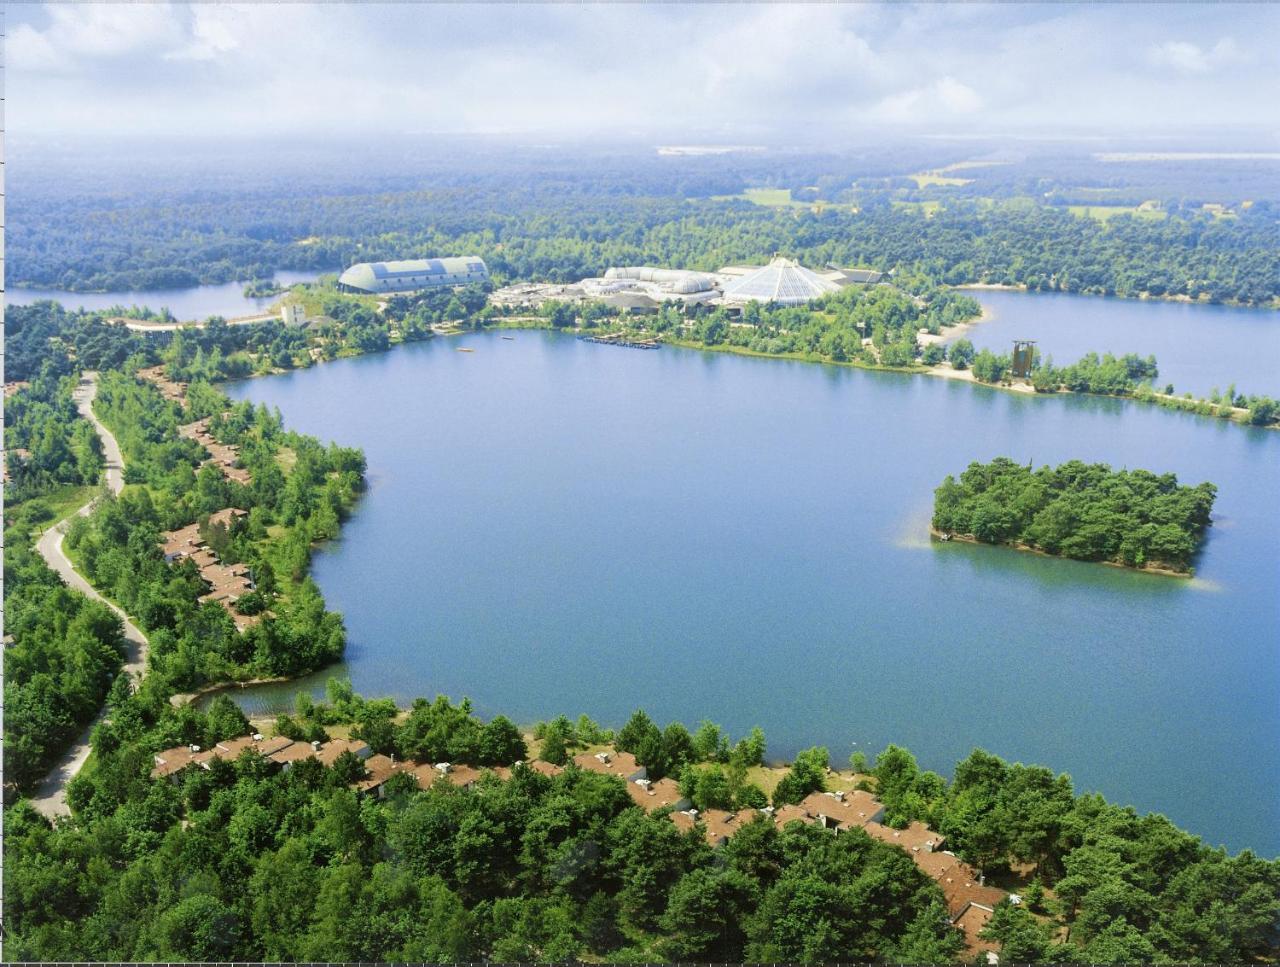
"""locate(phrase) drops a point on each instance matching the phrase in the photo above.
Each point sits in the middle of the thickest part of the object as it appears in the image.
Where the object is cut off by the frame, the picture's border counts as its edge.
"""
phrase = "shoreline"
(1185, 299)
(951, 333)
(181, 699)
(941, 538)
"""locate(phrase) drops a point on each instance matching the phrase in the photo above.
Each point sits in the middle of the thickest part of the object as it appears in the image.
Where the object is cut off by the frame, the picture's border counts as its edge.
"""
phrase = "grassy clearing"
(927, 178)
(928, 208)
(1104, 212)
(61, 502)
(767, 197)
(966, 165)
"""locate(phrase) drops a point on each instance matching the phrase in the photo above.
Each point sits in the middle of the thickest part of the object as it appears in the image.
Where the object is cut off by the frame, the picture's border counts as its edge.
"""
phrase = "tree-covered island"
(1088, 512)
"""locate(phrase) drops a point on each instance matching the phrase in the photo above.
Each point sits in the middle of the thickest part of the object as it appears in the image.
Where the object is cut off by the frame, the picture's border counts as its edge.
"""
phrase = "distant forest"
(544, 218)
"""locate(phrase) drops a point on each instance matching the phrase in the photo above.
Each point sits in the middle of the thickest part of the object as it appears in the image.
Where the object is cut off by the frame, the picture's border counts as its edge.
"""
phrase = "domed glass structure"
(782, 281)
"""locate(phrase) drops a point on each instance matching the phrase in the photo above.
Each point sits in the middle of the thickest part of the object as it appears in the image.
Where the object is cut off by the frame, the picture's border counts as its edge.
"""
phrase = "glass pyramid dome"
(782, 281)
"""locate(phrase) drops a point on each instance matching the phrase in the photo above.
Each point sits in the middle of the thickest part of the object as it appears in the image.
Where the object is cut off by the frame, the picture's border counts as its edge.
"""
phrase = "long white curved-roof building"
(678, 281)
(413, 275)
(783, 281)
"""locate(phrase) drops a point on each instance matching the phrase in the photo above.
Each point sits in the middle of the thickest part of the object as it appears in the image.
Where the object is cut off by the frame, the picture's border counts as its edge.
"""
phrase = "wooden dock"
(620, 339)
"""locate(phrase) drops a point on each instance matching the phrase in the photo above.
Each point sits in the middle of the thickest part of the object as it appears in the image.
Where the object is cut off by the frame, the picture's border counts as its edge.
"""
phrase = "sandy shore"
(937, 535)
(952, 333)
(966, 376)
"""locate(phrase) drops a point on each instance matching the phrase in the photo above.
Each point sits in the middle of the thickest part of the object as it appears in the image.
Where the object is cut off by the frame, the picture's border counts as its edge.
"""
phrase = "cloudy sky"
(712, 71)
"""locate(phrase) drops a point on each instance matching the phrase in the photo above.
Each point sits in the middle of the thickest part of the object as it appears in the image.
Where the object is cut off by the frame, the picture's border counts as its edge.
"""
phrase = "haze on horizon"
(701, 73)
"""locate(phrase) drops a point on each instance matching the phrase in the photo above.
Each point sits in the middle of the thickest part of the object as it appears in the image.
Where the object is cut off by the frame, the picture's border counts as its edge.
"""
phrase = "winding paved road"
(51, 797)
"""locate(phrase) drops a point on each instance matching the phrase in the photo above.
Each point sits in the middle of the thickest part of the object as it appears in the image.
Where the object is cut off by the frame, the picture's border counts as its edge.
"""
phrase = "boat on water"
(509, 338)
(465, 349)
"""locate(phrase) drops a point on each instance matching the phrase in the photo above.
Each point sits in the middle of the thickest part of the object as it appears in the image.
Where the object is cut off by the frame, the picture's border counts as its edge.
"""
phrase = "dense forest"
(65, 650)
(1084, 511)
(240, 861)
(61, 650)
(46, 443)
(565, 228)
(63, 654)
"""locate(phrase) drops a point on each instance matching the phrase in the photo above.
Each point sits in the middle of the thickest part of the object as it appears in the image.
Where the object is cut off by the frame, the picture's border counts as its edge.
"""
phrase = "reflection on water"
(193, 304)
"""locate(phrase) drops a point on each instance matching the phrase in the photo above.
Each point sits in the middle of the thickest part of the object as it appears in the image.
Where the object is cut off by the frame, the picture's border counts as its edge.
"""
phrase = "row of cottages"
(649, 795)
(224, 456)
(176, 392)
(277, 750)
(283, 753)
(970, 903)
(227, 582)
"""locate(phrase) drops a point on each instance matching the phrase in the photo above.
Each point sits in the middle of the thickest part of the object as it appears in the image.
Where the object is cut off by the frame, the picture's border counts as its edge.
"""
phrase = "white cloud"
(213, 33)
(77, 35)
(661, 71)
(27, 49)
(1188, 58)
(942, 100)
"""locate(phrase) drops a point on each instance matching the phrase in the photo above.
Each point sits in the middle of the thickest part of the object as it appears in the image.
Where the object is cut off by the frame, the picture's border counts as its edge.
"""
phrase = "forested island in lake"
(1088, 512)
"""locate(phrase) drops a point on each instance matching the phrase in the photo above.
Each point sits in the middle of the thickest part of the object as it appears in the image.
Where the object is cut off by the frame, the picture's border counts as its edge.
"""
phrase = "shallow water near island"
(553, 526)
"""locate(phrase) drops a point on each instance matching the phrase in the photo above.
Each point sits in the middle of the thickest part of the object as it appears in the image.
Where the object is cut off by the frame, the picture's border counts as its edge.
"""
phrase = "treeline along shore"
(911, 326)
(354, 830)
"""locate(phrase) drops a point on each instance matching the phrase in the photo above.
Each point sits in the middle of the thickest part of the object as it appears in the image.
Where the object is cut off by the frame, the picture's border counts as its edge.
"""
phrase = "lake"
(1199, 347)
(193, 304)
(554, 526)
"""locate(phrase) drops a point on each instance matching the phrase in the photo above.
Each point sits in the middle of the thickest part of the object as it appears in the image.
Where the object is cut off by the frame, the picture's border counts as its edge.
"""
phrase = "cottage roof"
(845, 810)
(792, 813)
(651, 796)
(328, 752)
(610, 763)
(917, 837)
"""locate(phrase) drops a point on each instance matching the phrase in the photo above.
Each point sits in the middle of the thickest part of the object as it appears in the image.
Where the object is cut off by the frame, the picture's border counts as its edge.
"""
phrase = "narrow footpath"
(51, 796)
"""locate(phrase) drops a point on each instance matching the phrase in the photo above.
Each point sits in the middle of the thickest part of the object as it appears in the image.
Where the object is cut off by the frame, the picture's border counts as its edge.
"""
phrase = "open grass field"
(926, 178)
(61, 503)
(927, 207)
(1104, 212)
(768, 197)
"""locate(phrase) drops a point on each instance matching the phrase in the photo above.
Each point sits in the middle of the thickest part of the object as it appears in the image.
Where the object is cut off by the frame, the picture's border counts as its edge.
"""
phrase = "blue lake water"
(1198, 347)
(193, 304)
(554, 526)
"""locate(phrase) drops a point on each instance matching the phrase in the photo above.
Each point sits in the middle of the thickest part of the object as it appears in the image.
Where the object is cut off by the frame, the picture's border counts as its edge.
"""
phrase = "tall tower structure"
(1024, 355)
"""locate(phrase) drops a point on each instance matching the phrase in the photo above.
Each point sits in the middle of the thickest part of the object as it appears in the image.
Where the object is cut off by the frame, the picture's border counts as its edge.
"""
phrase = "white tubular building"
(676, 281)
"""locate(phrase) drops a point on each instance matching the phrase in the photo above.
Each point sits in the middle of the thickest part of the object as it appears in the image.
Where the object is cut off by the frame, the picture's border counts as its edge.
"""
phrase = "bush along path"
(50, 798)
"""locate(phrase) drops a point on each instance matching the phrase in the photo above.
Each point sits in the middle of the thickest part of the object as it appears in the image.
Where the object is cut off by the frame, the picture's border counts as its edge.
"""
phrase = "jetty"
(621, 339)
